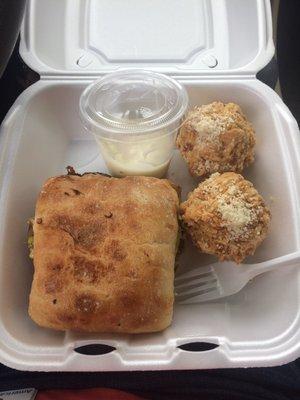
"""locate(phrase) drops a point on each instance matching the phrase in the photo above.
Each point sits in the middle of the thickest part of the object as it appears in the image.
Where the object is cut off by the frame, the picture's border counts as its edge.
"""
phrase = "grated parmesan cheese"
(236, 215)
(236, 212)
(209, 126)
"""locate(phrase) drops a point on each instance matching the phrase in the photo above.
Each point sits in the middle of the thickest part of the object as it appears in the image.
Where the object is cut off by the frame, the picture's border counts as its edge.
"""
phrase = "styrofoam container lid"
(72, 37)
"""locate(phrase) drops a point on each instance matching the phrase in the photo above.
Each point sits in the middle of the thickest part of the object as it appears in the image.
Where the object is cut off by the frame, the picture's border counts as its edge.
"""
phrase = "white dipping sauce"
(148, 157)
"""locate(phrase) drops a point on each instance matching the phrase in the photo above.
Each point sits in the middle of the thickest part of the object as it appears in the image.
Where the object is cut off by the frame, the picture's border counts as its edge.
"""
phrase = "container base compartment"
(259, 326)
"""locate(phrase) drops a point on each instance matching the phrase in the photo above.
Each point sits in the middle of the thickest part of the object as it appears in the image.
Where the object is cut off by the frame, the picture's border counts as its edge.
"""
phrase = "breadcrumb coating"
(226, 216)
(216, 137)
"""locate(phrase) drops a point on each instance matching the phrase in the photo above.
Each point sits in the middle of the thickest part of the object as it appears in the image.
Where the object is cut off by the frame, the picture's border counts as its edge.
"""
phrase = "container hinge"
(213, 77)
(182, 76)
(70, 77)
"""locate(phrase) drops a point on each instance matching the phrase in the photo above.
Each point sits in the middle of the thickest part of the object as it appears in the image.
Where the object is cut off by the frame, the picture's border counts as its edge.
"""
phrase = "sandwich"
(104, 250)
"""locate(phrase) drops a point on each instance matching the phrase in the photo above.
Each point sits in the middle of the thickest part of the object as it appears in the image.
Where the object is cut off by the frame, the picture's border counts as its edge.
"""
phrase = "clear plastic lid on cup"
(134, 116)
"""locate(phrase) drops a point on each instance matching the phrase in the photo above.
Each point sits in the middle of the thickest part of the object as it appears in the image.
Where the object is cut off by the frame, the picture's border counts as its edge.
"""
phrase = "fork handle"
(275, 263)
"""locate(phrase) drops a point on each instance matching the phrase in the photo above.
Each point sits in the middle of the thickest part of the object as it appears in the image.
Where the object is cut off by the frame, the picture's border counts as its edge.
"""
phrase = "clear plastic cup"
(134, 116)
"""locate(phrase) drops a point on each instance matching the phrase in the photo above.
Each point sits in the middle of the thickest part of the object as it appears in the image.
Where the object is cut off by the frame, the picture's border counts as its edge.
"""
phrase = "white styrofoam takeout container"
(214, 48)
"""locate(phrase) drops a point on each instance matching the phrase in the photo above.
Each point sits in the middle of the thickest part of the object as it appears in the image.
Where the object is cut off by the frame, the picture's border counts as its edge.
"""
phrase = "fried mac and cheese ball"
(216, 137)
(225, 216)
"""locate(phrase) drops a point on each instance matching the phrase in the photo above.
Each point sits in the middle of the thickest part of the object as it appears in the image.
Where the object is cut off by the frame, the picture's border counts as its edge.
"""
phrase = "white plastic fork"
(223, 279)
